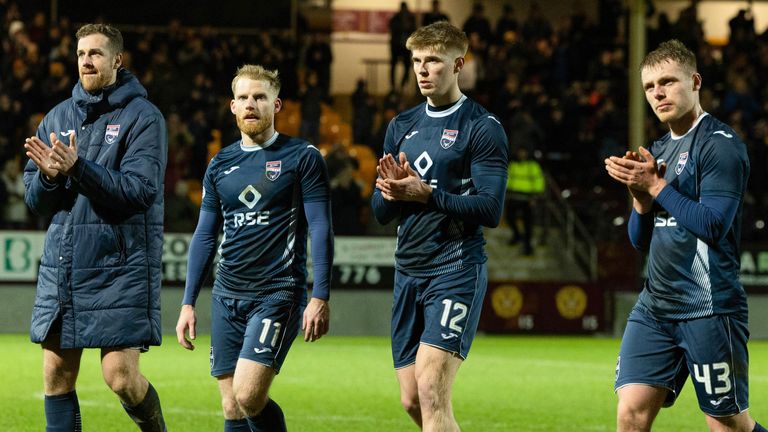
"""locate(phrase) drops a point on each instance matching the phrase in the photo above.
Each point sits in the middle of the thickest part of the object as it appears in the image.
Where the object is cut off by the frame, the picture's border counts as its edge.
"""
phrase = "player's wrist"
(426, 193)
(656, 189)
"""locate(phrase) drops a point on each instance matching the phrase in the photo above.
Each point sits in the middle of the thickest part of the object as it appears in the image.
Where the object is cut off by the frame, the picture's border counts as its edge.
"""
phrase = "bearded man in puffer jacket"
(96, 168)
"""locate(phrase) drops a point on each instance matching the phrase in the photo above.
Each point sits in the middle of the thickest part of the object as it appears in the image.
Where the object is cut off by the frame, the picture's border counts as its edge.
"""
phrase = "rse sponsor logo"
(422, 164)
(251, 218)
(251, 191)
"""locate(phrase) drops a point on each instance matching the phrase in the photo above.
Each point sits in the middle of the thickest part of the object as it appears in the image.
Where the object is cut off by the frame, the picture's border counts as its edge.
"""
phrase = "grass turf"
(508, 383)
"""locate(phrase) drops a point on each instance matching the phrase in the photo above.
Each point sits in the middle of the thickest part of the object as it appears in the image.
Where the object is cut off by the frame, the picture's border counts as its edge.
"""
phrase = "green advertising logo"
(16, 255)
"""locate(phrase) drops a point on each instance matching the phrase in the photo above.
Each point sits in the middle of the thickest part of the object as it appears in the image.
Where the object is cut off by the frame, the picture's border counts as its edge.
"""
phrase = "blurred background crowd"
(559, 88)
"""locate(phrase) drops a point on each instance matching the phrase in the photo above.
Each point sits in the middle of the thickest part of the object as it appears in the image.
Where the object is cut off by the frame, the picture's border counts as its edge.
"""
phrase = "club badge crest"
(273, 170)
(681, 163)
(110, 136)
(448, 138)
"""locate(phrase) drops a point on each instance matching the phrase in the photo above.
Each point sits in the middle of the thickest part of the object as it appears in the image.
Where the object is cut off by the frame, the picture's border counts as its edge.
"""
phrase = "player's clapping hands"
(40, 154)
(59, 158)
(63, 157)
(399, 182)
(639, 171)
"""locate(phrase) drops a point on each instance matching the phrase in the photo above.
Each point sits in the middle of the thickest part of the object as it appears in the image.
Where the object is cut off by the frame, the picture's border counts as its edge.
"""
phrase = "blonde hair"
(257, 73)
(670, 51)
(441, 37)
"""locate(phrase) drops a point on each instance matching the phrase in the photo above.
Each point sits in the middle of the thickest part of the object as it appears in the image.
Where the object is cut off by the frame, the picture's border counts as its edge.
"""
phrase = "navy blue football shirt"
(688, 277)
(259, 191)
(461, 152)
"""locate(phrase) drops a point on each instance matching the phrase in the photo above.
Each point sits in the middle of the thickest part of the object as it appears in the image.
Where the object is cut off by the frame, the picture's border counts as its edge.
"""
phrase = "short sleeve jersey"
(446, 148)
(259, 191)
(688, 278)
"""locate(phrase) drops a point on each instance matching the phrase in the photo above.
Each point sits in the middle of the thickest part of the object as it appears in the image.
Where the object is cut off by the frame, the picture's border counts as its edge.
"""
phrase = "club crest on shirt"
(681, 163)
(110, 136)
(448, 138)
(273, 170)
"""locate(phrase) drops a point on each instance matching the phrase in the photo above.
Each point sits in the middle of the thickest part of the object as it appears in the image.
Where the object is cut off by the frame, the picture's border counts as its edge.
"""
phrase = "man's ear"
(696, 81)
(278, 105)
(458, 64)
(118, 61)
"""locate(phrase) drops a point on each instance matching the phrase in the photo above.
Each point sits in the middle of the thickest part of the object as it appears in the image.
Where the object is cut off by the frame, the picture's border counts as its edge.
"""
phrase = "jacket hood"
(125, 89)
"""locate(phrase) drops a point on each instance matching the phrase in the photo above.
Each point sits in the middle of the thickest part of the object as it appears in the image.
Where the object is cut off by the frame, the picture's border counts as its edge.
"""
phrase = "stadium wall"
(361, 300)
(353, 312)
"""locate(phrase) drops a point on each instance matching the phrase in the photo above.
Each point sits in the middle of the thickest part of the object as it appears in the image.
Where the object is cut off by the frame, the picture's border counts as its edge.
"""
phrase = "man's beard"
(94, 83)
(253, 128)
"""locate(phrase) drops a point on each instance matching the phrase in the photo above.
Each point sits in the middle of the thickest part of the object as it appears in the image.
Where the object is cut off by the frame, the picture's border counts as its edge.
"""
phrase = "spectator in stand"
(478, 23)
(56, 86)
(525, 181)
(565, 65)
(536, 26)
(346, 200)
(311, 97)
(10, 118)
(180, 211)
(15, 214)
(318, 58)
(401, 25)
(506, 23)
(434, 15)
(363, 112)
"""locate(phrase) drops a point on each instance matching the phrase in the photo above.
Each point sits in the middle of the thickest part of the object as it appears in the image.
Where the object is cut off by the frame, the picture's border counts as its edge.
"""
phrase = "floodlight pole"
(636, 53)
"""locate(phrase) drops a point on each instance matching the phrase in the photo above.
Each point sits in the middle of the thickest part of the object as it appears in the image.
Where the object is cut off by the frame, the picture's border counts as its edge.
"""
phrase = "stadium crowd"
(559, 87)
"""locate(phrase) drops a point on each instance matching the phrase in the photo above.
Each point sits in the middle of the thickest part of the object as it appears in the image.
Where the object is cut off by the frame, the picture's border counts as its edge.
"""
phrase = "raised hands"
(399, 182)
(390, 169)
(642, 175)
(40, 154)
(59, 158)
(64, 156)
(638, 171)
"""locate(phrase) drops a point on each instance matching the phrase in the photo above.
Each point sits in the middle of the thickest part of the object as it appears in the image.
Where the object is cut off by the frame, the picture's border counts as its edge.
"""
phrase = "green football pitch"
(348, 384)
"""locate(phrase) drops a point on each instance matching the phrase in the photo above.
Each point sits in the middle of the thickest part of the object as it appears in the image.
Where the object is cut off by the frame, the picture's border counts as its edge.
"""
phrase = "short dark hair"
(671, 50)
(114, 37)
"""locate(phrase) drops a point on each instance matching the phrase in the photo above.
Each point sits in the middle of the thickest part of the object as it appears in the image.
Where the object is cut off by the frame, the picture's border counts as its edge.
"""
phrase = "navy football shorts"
(254, 330)
(712, 350)
(441, 311)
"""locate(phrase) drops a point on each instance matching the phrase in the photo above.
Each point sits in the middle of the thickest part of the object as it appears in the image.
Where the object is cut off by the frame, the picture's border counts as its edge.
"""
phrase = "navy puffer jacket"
(101, 265)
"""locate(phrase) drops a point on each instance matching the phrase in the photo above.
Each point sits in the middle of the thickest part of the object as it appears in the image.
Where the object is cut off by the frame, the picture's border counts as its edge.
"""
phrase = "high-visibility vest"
(525, 177)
